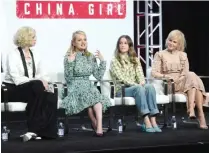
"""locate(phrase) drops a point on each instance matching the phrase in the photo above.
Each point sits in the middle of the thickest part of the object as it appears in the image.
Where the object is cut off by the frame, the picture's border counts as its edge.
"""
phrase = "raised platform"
(187, 137)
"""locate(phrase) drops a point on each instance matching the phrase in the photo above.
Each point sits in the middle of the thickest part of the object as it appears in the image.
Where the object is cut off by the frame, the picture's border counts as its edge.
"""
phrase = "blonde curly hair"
(180, 39)
(24, 37)
(72, 48)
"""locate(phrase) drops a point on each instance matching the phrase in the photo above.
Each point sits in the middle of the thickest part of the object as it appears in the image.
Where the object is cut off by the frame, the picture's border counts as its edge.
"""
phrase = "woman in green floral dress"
(79, 64)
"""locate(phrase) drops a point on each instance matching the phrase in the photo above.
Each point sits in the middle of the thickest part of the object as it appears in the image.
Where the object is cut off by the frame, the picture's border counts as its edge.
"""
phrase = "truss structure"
(149, 29)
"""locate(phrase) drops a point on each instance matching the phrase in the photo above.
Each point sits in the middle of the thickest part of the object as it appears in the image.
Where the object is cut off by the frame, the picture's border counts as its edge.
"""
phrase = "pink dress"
(176, 66)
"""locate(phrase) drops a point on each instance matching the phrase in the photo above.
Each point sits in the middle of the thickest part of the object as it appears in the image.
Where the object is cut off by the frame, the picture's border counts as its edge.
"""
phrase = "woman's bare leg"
(147, 122)
(153, 121)
(98, 112)
(199, 105)
(191, 104)
(92, 117)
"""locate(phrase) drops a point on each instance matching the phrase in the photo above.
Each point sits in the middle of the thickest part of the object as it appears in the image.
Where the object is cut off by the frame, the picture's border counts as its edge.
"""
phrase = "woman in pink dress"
(172, 63)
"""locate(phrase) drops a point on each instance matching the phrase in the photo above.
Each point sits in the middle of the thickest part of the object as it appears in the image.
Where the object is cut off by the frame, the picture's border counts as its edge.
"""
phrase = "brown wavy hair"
(131, 52)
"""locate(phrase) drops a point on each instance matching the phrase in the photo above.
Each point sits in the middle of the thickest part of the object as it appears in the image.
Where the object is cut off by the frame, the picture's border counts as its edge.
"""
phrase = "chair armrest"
(96, 81)
(165, 83)
(204, 77)
(5, 95)
(162, 79)
(5, 89)
(55, 88)
(111, 83)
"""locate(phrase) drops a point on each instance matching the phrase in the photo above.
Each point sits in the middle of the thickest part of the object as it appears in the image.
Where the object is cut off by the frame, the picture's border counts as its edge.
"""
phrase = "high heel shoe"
(92, 127)
(145, 129)
(191, 115)
(29, 136)
(98, 135)
(157, 129)
(203, 127)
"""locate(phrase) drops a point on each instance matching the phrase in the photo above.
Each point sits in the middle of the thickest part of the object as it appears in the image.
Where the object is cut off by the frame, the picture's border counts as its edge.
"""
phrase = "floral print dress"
(82, 93)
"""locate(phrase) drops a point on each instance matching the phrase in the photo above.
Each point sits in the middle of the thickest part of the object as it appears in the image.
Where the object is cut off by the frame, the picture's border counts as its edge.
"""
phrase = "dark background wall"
(192, 18)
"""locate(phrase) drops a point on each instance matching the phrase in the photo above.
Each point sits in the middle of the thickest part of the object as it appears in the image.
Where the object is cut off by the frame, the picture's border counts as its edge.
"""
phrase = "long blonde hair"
(180, 38)
(131, 52)
(72, 48)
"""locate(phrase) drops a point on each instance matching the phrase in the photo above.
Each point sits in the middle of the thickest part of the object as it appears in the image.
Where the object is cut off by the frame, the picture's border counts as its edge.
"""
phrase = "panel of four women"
(24, 74)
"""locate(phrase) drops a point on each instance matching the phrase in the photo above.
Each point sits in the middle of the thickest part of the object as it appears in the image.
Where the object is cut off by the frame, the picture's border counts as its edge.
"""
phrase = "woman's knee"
(37, 85)
(149, 87)
(140, 89)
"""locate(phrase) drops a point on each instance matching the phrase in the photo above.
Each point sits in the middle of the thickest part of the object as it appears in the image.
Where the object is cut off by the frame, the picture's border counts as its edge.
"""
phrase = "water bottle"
(120, 126)
(61, 130)
(4, 134)
(174, 123)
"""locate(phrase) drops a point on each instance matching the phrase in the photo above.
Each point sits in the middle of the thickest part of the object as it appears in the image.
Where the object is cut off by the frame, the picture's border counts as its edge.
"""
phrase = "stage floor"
(132, 140)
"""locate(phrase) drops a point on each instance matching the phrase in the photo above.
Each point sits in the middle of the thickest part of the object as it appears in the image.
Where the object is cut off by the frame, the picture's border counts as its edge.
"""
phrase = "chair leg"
(137, 118)
(82, 127)
(124, 123)
(165, 114)
(165, 117)
(66, 124)
(6, 106)
(110, 120)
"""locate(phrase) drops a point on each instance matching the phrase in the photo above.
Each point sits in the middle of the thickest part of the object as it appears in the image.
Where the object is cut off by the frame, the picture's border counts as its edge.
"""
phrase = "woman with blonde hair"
(126, 67)
(172, 63)
(27, 82)
(79, 64)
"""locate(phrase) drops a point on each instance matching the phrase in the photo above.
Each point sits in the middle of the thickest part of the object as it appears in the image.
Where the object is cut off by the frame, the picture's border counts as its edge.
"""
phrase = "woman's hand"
(99, 55)
(46, 85)
(167, 77)
(142, 83)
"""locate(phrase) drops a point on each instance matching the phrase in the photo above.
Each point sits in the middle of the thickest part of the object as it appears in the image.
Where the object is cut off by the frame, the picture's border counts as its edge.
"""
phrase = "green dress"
(81, 91)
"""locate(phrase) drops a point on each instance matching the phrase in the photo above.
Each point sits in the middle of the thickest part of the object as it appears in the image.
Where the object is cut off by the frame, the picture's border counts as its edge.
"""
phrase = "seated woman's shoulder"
(162, 52)
(182, 53)
(114, 59)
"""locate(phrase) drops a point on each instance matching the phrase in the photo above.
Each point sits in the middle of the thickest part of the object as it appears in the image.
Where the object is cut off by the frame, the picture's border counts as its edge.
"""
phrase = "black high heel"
(192, 117)
(92, 127)
(98, 135)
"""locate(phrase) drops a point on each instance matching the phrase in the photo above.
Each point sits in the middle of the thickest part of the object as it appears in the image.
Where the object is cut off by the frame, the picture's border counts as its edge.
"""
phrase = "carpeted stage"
(187, 137)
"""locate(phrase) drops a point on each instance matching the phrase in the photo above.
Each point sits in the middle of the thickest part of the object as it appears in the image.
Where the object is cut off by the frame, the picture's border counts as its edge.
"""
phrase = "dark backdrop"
(192, 18)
